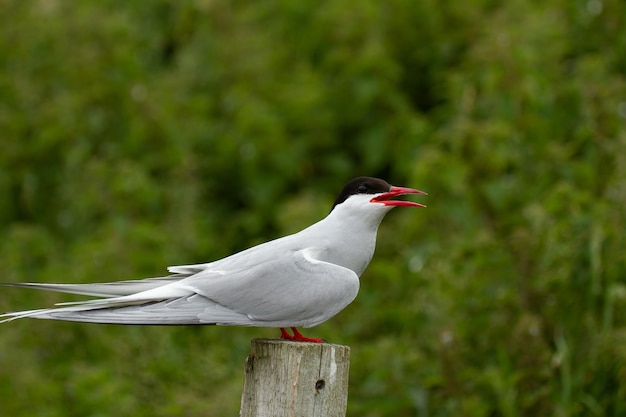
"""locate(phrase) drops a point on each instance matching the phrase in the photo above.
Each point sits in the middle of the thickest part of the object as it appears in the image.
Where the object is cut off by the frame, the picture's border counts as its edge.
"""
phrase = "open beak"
(394, 192)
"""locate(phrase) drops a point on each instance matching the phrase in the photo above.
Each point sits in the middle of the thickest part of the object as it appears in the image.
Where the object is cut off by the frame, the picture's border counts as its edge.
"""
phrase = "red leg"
(297, 336)
(284, 334)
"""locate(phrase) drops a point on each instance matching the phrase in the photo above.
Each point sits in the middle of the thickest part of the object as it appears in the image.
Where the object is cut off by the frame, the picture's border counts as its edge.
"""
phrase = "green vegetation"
(136, 135)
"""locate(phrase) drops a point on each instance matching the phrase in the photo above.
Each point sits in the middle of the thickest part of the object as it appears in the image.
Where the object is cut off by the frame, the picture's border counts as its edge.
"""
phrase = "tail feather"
(7, 317)
(106, 289)
(185, 310)
(75, 307)
(115, 295)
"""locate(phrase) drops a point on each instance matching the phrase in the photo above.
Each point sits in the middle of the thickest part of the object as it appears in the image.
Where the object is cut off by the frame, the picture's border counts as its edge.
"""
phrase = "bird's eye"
(362, 188)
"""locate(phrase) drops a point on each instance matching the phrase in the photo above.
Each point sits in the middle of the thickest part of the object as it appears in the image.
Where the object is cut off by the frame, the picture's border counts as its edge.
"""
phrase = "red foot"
(297, 336)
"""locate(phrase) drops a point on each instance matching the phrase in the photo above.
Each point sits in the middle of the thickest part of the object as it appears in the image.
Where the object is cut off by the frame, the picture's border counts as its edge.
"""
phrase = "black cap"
(362, 185)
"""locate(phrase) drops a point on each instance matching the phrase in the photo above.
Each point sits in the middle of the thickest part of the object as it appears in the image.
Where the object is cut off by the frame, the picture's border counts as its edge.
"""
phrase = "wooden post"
(295, 379)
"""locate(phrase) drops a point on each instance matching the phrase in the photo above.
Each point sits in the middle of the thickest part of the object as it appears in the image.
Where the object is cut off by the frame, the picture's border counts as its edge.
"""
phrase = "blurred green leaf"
(137, 135)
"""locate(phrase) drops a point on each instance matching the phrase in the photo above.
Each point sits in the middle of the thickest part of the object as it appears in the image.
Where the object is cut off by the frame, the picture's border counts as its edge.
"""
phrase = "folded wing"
(293, 289)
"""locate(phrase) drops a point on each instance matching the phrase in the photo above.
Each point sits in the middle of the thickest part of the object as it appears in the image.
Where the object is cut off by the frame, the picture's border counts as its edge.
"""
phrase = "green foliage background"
(136, 135)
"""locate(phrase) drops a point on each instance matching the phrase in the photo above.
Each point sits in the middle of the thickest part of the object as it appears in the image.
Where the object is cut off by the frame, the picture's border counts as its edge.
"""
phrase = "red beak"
(394, 192)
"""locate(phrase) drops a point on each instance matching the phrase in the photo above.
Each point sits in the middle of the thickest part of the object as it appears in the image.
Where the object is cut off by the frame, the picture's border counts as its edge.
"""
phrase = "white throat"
(349, 232)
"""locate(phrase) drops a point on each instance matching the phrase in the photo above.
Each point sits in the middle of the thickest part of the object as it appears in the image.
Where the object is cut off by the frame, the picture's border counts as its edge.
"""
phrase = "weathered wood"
(295, 379)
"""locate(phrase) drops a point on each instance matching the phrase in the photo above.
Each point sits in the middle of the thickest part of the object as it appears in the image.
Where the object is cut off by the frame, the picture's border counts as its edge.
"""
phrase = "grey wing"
(179, 311)
(104, 289)
(294, 289)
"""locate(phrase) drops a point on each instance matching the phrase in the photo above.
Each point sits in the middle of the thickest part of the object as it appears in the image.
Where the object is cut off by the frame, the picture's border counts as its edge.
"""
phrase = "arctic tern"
(300, 280)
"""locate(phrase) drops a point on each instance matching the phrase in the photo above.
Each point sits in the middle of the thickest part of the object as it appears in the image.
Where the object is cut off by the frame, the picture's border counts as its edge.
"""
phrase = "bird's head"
(364, 191)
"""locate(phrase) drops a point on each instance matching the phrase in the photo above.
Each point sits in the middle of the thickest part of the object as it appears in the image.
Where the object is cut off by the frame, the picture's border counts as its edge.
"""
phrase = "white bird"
(300, 280)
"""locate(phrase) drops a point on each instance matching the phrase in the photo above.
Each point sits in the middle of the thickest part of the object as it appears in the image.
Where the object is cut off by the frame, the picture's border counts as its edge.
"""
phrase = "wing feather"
(179, 311)
(270, 285)
(106, 289)
(294, 289)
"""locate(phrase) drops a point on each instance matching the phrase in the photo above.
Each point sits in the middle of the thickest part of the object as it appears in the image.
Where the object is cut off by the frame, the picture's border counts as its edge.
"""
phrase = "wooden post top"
(285, 378)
